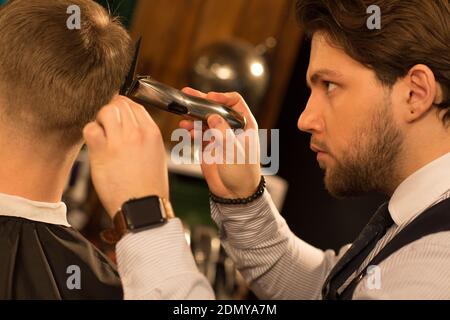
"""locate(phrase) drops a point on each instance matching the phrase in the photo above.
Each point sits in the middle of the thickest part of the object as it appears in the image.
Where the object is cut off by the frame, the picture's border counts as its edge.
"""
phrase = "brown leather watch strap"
(112, 236)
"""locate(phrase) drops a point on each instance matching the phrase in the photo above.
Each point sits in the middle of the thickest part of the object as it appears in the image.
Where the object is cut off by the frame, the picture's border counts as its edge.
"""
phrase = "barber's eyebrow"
(319, 74)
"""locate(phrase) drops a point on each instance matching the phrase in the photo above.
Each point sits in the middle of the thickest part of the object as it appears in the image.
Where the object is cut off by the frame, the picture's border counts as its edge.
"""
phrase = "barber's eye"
(330, 86)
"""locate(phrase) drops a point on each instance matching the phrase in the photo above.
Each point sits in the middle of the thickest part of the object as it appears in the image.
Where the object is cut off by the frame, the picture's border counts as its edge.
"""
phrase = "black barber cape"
(47, 261)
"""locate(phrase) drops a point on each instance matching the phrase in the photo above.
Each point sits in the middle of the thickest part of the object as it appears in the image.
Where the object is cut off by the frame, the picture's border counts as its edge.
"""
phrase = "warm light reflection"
(257, 69)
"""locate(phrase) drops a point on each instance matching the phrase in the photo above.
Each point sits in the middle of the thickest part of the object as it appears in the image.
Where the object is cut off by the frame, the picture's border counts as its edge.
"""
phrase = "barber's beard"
(371, 163)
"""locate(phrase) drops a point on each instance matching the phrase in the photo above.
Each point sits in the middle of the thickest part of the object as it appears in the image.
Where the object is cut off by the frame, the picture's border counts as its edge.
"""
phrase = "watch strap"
(120, 225)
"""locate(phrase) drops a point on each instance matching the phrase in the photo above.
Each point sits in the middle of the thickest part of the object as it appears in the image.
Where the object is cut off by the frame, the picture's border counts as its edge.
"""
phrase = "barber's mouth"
(321, 155)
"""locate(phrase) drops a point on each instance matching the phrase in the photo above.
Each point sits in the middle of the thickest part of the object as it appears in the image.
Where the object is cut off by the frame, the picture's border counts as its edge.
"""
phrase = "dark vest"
(433, 220)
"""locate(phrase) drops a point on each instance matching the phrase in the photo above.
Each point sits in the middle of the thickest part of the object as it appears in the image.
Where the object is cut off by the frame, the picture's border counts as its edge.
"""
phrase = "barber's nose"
(310, 120)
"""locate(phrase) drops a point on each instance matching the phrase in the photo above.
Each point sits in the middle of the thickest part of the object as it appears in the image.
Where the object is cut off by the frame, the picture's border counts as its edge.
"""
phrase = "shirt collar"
(15, 206)
(420, 190)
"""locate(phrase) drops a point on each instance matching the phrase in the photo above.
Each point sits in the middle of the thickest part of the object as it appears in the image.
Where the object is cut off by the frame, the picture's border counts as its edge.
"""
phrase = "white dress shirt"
(158, 264)
(279, 265)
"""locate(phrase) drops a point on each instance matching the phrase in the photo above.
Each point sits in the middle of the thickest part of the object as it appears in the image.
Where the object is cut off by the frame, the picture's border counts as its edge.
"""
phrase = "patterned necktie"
(358, 252)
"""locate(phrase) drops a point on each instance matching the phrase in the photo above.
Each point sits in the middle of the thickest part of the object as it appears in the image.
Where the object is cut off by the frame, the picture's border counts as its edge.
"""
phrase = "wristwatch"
(137, 215)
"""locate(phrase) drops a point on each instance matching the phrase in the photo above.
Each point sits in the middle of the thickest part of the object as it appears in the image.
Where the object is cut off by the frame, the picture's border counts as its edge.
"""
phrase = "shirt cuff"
(149, 261)
(243, 226)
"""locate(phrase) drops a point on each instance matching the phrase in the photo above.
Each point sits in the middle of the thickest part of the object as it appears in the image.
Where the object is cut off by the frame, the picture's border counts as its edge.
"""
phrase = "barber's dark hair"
(53, 80)
(412, 32)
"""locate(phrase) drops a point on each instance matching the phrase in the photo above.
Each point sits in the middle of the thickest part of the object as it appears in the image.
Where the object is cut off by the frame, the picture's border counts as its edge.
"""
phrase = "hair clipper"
(151, 93)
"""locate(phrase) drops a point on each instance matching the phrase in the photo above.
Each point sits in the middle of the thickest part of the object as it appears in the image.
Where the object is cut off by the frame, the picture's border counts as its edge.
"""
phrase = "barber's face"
(353, 129)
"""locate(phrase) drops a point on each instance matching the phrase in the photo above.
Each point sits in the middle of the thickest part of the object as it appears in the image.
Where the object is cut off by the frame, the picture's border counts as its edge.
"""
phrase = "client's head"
(54, 79)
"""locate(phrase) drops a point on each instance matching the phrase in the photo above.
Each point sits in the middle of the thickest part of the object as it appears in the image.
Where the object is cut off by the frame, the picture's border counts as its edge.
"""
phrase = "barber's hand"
(230, 180)
(127, 154)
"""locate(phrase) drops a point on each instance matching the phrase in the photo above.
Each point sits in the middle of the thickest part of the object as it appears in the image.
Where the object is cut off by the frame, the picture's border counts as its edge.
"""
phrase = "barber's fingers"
(235, 101)
(94, 136)
(186, 124)
(232, 100)
(217, 122)
(193, 92)
(193, 127)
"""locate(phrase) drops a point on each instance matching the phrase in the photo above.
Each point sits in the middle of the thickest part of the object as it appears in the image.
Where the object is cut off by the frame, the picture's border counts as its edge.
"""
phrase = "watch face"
(143, 213)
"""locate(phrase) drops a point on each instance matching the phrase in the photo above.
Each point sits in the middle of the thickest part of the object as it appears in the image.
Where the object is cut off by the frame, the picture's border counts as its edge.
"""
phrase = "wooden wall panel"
(260, 20)
(174, 31)
(282, 64)
(217, 22)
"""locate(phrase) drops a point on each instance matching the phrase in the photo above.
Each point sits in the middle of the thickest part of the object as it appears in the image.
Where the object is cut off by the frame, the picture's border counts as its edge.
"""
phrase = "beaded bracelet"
(256, 195)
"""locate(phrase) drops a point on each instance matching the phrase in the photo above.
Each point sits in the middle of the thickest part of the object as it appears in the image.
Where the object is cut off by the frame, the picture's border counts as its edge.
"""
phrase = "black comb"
(132, 72)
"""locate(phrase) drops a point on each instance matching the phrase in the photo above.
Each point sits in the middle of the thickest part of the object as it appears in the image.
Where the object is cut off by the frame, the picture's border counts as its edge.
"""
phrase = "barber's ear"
(423, 91)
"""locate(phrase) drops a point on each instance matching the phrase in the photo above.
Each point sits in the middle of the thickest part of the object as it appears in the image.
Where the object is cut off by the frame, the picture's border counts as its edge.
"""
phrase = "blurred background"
(256, 48)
